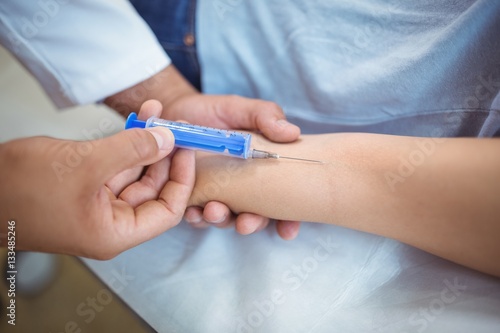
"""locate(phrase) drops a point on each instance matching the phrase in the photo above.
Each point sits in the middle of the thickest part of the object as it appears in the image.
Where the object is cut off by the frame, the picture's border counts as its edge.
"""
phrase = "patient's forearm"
(441, 195)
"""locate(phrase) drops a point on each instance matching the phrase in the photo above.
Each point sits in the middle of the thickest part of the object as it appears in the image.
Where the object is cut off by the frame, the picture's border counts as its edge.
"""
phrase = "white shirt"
(81, 51)
(404, 67)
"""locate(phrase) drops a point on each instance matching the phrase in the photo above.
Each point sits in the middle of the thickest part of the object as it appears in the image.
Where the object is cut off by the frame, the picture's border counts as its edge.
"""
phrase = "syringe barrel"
(218, 141)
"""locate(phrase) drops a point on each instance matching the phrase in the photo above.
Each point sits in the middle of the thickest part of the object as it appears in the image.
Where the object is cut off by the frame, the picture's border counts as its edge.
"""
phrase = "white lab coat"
(81, 51)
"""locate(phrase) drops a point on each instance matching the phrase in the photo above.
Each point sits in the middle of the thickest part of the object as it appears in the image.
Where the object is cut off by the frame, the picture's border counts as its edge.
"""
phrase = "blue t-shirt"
(426, 68)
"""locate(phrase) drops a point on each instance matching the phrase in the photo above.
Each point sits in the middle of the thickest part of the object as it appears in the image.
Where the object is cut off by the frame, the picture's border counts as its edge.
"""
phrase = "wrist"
(166, 86)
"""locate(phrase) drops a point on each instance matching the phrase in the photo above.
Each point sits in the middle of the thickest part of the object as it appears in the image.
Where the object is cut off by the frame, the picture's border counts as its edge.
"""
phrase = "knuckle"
(273, 107)
(229, 102)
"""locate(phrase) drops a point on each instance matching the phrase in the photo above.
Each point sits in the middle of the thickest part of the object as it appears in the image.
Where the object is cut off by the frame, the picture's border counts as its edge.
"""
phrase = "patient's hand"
(234, 112)
(182, 101)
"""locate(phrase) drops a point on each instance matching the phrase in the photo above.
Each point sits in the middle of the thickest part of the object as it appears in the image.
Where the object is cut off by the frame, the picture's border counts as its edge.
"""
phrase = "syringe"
(213, 140)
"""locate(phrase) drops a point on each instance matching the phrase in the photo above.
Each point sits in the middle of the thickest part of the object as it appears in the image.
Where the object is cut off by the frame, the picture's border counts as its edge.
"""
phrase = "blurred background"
(50, 289)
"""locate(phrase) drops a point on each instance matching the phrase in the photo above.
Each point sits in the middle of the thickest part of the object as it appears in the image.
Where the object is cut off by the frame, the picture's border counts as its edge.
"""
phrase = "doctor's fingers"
(127, 150)
(119, 182)
(149, 185)
(153, 217)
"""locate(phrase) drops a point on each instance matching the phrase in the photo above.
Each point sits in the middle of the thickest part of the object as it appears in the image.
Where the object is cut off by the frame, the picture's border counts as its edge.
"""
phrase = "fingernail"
(282, 123)
(290, 231)
(164, 137)
(253, 229)
(291, 234)
(219, 220)
(195, 220)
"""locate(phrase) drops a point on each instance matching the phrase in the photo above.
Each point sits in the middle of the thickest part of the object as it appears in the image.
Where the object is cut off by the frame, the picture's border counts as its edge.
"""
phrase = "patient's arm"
(440, 195)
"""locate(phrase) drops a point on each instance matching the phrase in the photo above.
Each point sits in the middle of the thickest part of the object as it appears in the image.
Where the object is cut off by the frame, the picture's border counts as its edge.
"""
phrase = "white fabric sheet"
(328, 280)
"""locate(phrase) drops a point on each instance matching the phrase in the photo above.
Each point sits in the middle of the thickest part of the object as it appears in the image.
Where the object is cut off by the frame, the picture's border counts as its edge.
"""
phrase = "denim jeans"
(173, 22)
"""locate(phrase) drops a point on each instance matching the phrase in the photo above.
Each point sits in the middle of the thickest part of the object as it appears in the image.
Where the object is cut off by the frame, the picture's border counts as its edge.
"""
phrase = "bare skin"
(93, 198)
(447, 203)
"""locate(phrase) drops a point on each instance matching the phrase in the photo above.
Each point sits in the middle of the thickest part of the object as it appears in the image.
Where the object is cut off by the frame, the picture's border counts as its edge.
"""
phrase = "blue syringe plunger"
(196, 137)
(132, 122)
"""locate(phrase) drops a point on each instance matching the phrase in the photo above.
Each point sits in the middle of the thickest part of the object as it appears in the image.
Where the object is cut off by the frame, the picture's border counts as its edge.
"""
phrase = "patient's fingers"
(247, 223)
(216, 213)
(194, 216)
(263, 225)
(151, 108)
(288, 230)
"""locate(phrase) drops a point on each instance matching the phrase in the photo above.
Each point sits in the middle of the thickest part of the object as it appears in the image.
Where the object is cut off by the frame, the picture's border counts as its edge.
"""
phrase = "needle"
(300, 159)
(266, 154)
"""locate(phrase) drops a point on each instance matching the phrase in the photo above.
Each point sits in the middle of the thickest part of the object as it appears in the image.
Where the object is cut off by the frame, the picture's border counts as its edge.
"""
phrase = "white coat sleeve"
(81, 51)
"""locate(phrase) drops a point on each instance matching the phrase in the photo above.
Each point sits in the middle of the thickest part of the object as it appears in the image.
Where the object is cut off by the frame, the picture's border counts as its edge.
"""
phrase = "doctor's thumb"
(131, 148)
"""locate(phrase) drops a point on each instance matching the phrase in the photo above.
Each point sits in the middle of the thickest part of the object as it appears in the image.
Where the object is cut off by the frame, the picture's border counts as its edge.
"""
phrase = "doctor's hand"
(182, 101)
(94, 198)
